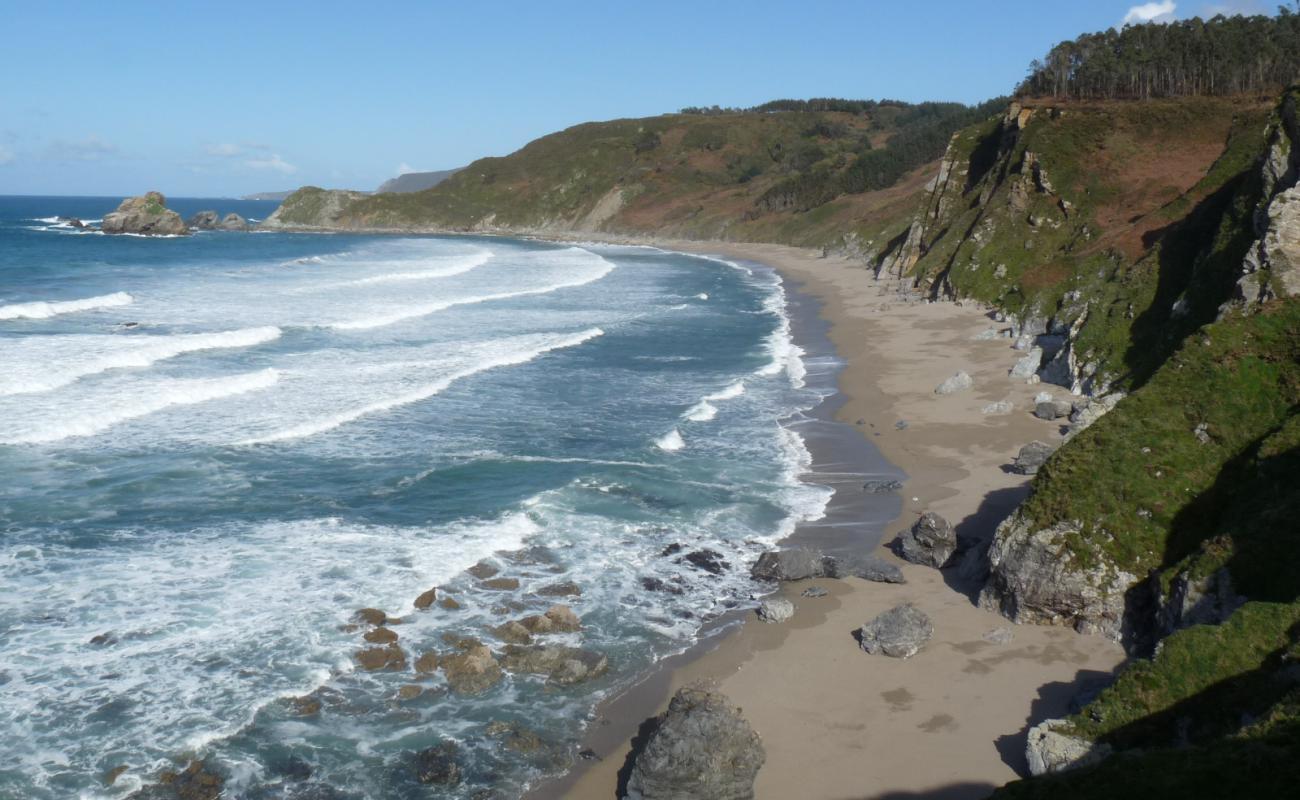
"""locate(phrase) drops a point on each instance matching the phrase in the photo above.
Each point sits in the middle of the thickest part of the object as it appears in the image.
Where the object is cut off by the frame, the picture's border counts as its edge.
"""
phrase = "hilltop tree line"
(1219, 56)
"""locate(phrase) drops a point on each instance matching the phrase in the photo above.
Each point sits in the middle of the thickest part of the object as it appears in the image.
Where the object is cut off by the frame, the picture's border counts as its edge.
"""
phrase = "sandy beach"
(950, 722)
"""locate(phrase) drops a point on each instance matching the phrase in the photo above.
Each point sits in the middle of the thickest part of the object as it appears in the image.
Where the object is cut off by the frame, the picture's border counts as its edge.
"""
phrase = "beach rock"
(73, 222)
(195, 782)
(427, 663)
(409, 691)
(449, 603)
(1053, 409)
(438, 765)
(957, 383)
(1050, 750)
(426, 599)
(1034, 578)
(370, 616)
(380, 635)
(205, 220)
(501, 584)
(147, 215)
(473, 670)
(882, 486)
(775, 609)
(814, 591)
(930, 542)
(901, 425)
(1032, 457)
(700, 749)
(513, 632)
(562, 665)
(708, 560)
(1027, 367)
(1000, 408)
(113, 774)
(900, 632)
(564, 589)
(871, 568)
(557, 619)
(794, 564)
(998, 636)
(373, 659)
(233, 222)
(483, 570)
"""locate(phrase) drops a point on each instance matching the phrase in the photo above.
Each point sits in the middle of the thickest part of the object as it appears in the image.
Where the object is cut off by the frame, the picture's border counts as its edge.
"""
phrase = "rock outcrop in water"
(701, 749)
(147, 215)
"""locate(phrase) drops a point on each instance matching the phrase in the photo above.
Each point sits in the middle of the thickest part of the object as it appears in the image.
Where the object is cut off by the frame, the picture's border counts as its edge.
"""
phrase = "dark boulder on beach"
(700, 749)
(794, 564)
(900, 632)
(147, 215)
(1032, 457)
(931, 542)
(882, 486)
(871, 568)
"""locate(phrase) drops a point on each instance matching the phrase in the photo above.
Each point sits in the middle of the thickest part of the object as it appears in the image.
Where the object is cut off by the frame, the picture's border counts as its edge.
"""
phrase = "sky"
(203, 100)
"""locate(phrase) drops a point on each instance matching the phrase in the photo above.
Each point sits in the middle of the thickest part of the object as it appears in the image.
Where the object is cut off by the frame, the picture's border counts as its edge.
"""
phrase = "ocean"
(218, 448)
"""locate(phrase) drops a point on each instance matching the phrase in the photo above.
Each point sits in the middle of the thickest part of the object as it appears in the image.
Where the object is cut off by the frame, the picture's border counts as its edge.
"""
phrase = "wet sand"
(837, 723)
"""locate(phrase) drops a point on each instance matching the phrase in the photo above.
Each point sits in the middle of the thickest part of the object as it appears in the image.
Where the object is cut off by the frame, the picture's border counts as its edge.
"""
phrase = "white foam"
(702, 296)
(786, 356)
(44, 309)
(103, 412)
(702, 411)
(671, 441)
(505, 358)
(733, 390)
(598, 269)
(473, 262)
(45, 363)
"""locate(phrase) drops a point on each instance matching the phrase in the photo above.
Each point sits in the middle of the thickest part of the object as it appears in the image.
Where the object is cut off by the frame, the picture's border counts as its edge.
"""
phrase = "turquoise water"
(217, 448)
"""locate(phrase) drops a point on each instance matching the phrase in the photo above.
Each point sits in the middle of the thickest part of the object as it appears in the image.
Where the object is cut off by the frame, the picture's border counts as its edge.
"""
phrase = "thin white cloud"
(6, 155)
(91, 148)
(225, 150)
(1151, 12)
(271, 162)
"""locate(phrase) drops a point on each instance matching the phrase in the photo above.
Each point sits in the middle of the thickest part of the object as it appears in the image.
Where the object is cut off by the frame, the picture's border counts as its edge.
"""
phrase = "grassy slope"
(679, 175)
(1148, 185)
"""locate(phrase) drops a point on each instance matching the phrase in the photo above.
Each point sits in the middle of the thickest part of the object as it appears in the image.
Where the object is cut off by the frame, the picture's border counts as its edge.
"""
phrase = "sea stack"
(147, 215)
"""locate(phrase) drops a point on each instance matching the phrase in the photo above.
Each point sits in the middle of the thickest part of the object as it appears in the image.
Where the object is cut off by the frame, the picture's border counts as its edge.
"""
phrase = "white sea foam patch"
(588, 268)
(44, 309)
(786, 356)
(702, 411)
(44, 363)
(472, 360)
(458, 266)
(671, 441)
(201, 627)
(90, 413)
(732, 390)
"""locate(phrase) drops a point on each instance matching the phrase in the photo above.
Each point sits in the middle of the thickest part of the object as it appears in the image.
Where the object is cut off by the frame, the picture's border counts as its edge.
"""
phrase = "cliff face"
(312, 208)
(1170, 523)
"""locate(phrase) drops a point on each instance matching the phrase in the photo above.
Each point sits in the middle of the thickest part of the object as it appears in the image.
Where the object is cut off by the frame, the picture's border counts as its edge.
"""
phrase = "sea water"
(217, 448)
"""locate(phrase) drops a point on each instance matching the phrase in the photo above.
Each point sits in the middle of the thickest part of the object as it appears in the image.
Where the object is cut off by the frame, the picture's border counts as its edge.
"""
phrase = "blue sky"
(201, 99)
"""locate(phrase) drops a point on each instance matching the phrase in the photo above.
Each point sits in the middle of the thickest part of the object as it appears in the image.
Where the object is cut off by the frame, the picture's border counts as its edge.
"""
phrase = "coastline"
(837, 723)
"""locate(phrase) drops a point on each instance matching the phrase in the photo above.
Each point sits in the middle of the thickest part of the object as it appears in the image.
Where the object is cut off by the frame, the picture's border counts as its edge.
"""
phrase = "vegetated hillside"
(415, 181)
(803, 176)
(1148, 252)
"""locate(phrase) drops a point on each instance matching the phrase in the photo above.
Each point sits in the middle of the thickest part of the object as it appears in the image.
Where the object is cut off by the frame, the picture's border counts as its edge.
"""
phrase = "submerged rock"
(438, 765)
(501, 584)
(708, 560)
(900, 632)
(147, 215)
(930, 542)
(373, 659)
(380, 635)
(701, 749)
(775, 609)
(564, 589)
(195, 782)
(562, 665)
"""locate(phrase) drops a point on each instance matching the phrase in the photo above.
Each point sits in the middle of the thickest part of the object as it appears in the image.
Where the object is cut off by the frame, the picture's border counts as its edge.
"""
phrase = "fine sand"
(950, 722)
